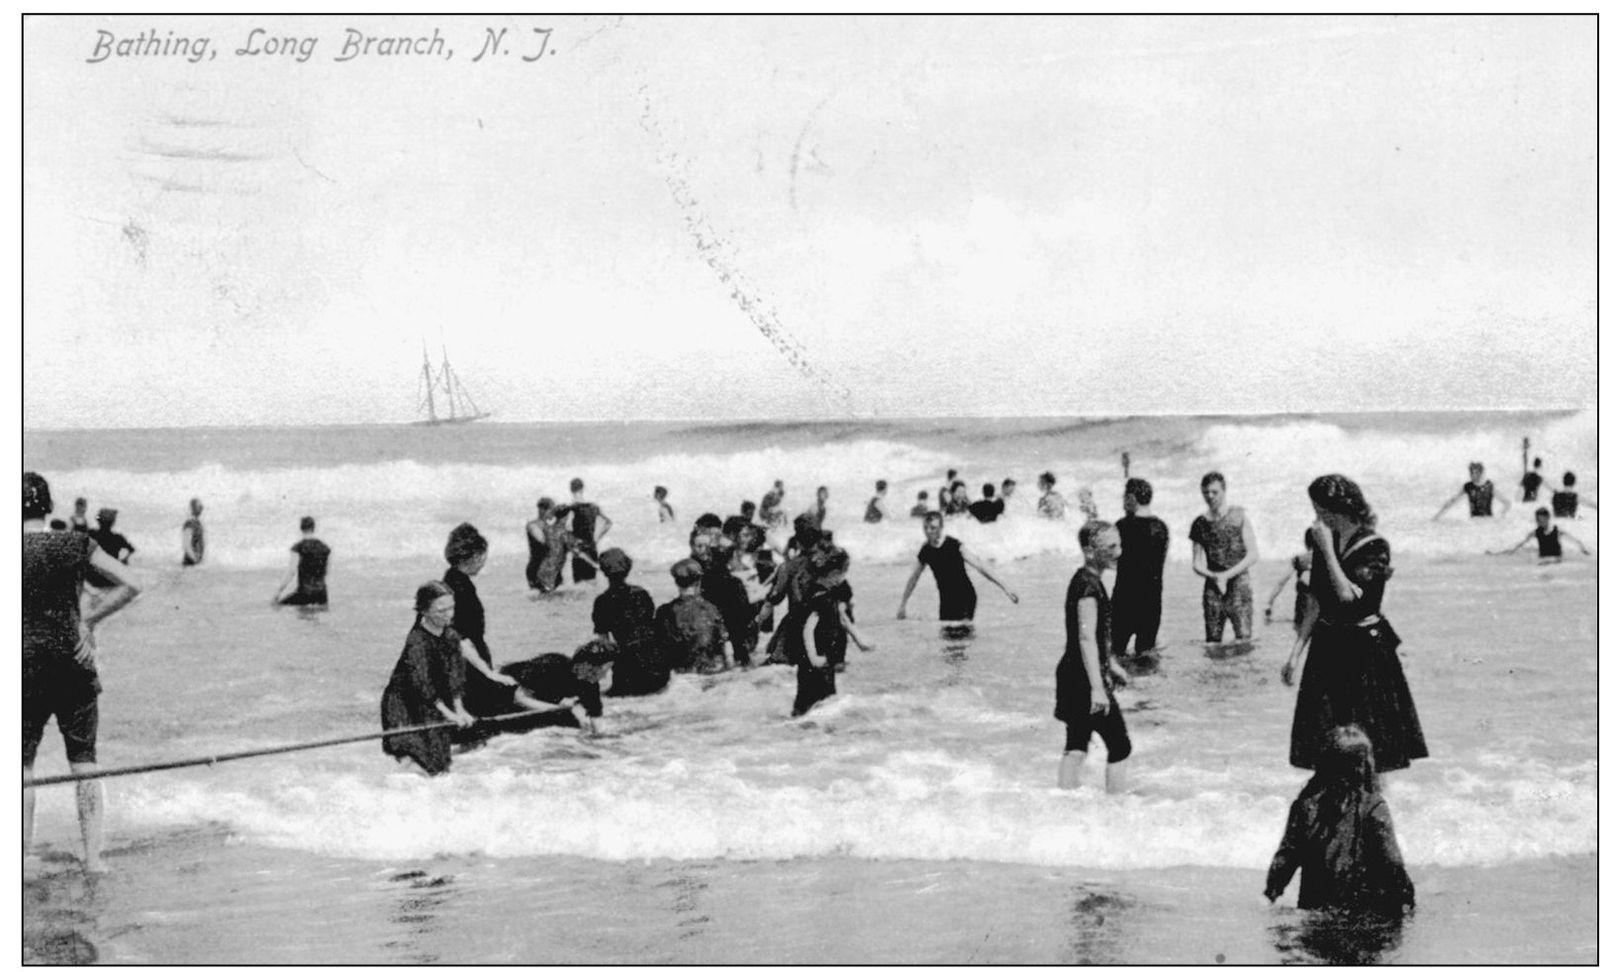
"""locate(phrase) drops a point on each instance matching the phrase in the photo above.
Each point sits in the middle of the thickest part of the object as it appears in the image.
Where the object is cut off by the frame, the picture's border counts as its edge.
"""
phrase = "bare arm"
(909, 588)
(1346, 591)
(1270, 606)
(1523, 542)
(1089, 650)
(114, 600)
(1198, 561)
(287, 578)
(1305, 630)
(468, 651)
(1452, 500)
(853, 632)
(603, 524)
(973, 562)
(1569, 537)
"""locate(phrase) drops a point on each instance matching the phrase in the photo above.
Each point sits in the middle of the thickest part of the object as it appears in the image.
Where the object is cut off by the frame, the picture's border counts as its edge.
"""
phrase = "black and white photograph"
(739, 489)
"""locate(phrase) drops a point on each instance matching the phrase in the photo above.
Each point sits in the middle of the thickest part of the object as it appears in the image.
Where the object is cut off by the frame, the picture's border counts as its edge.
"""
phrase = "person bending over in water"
(1300, 566)
(308, 567)
(957, 598)
(1087, 674)
(1548, 537)
(876, 508)
(1339, 833)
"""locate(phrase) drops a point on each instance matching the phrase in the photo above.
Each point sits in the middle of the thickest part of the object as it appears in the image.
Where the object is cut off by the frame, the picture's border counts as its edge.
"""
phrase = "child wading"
(1340, 835)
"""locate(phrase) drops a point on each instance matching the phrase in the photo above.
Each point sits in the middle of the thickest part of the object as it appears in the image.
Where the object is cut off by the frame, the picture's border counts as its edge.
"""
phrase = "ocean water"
(913, 817)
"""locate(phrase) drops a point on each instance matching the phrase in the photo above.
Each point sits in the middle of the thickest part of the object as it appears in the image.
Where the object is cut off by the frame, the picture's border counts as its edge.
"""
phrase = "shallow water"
(913, 818)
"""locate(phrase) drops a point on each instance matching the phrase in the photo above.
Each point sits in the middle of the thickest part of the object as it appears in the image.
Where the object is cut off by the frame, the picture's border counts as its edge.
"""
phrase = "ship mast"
(427, 380)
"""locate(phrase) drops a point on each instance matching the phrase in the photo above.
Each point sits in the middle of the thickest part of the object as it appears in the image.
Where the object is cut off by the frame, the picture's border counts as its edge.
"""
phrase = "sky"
(722, 218)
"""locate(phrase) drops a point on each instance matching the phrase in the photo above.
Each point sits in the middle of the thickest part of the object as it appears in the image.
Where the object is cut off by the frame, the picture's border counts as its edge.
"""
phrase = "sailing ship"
(443, 387)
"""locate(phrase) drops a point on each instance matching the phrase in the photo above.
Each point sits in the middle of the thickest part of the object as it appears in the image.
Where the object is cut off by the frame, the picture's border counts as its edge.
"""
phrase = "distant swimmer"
(538, 545)
(1007, 494)
(959, 500)
(428, 684)
(665, 512)
(115, 544)
(590, 527)
(1339, 832)
(1087, 675)
(623, 615)
(1052, 505)
(307, 567)
(80, 522)
(988, 509)
(1532, 480)
(948, 560)
(921, 508)
(555, 545)
(770, 511)
(1137, 592)
(1479, 491)
(1086, 504)
(1300, 566)
(818, 656)
(1223, 550)
(59, 677)
(1564, 501)
(193, 543)
(715, 551)
(1548, 536)
(876, 507)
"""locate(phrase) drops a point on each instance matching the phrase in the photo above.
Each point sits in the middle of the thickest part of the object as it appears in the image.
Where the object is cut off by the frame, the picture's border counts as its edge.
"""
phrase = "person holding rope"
(428, 684)
(58, 653)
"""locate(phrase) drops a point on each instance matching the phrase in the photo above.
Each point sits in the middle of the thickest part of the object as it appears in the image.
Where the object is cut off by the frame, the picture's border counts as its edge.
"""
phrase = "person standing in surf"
(665, 512)
(876, 508)
(623, 615)
(948, 560)
(59, 677)
(1052, 505)
(1087, 674)
(428, 684)
(1532, 479)
(1564, 501)
(486, 690)
(1548, 536)
(308, 568)
(1352, 674)
(1137, 592)
(80, 521)
(1478, 490)
(1224, 548)
(115, 544)
(193, 544)
(586, 517)
(1300, 565)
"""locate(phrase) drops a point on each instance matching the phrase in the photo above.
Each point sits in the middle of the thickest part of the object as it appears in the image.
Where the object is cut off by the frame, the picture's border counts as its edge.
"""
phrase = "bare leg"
(1117, 777)
(91, 797)
(1072, 765)
(27, 809)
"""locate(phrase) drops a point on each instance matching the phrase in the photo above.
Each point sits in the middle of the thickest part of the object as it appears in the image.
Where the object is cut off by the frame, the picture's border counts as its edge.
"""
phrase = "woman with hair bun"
(1353, 674)
(428, 684)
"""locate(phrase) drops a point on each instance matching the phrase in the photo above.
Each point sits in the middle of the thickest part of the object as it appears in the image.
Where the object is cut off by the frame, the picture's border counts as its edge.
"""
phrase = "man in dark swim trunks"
(585, 517)
(988, 509)
(1479, 491)
(1137, 592)
(1564, 501)
(1531, 481)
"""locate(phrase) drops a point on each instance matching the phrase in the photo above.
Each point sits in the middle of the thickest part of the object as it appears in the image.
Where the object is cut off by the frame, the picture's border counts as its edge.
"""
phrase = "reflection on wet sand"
(1337, 938)
(418, 912)
(1101, 922)
(63, 909)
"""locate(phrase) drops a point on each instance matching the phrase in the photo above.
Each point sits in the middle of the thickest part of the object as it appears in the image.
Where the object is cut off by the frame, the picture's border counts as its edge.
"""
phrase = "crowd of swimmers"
(1354, 715)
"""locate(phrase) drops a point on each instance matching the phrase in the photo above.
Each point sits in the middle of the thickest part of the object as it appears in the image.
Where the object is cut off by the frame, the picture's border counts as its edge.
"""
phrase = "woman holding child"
(1353, 675)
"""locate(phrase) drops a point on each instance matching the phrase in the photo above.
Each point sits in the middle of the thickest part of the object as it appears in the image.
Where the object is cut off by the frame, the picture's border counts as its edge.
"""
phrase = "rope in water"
(251, 753)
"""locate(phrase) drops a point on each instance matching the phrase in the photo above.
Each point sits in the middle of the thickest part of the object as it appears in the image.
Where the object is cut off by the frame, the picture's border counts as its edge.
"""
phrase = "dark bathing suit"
(1481, 497)
(584, 515)
(1564, 503)
(1072, 681)
(1530, 484)
(54, 682)
(312, 558)
(1549, 541)
(957, 598)
(1221, 540)
(1137, 594)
